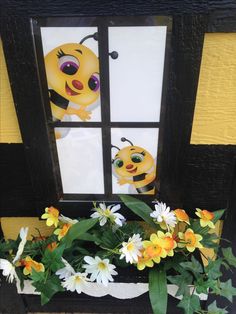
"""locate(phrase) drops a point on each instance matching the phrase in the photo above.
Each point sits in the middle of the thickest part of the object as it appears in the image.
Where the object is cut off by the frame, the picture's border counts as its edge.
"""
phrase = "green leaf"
(158, 290)
(227, 290)
(190, 304)
(229, 256)
(52, 259)
(213, 269)
(209, 241)
(109, 239)
(78, 230)
(88, 237)
(174, 262)
(48, 288)
(194, 266)
(218, 214)
(182, 281)
(202, 285)
(213, 309)
(37, 276)
(140, 208)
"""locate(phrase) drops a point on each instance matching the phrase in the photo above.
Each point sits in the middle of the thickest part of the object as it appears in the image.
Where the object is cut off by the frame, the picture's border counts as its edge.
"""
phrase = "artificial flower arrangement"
(80, 251)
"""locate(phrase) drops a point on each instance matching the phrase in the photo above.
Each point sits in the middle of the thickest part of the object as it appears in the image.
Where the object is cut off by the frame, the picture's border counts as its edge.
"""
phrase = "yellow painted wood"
(9, 128)
(11, 226)
(215, 110)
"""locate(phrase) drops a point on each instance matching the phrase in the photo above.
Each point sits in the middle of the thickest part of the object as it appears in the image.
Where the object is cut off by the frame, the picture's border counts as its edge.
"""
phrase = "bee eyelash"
(112, 161)
(143, 153)
(60, 53)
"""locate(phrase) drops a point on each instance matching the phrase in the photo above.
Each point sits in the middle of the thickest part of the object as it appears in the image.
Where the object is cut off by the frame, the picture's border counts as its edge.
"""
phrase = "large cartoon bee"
(73, 76)
(134, 165)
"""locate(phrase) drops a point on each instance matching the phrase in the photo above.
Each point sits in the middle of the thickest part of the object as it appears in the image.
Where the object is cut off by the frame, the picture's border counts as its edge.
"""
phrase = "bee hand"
(81, 113)
(122, 181)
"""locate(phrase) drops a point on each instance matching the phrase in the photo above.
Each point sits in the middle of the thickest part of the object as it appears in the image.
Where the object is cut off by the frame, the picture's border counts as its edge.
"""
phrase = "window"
(104, 78)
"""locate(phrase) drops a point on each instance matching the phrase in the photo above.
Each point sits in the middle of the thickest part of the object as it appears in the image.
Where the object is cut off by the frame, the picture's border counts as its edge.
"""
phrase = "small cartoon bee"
(134, 165)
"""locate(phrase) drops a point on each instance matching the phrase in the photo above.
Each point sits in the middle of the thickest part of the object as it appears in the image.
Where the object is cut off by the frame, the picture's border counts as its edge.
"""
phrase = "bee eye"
(137, 157)
(118, 163)
(94, 82)
(68, 64)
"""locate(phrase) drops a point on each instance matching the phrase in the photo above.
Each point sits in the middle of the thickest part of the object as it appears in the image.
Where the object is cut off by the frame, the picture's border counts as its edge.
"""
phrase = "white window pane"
(73, 76)
(81, 161)
(136, 76)
(134, 166)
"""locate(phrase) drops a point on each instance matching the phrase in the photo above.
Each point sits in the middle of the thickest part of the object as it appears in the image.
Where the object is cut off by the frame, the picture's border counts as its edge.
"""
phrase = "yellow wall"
(214, 118)
(9, 128)
(215, 110)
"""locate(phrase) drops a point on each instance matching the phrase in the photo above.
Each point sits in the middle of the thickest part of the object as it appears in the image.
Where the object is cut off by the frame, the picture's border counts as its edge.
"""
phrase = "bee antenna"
(113, 146)
(123, 139)
(94, 36)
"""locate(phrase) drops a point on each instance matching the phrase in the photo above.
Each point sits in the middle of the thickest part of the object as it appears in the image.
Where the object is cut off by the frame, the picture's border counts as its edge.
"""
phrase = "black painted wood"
(85, 304)
(113, 7)
(16, 193)
(187, 42)
(10, 301)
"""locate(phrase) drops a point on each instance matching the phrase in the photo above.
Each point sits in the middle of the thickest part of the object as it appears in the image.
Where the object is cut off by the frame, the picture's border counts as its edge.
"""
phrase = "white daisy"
(108, 213)
(131, 249)
(76, 282)
(23, 236)
(67, 220)
(100, 270)
(66, 271)
(163, 216)
(8, 270)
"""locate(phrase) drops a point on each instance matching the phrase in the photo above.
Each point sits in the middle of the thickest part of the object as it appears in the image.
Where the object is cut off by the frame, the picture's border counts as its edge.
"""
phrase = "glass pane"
(81, 161)
(136, 76)
(134, 160)
(72, 69)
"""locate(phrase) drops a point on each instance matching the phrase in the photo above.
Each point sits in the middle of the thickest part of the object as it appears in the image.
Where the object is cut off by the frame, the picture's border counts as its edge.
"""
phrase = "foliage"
(170, 245)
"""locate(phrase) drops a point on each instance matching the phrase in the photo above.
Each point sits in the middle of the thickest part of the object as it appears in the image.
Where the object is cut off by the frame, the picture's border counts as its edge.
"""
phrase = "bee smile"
(133, 170)
(70, 92)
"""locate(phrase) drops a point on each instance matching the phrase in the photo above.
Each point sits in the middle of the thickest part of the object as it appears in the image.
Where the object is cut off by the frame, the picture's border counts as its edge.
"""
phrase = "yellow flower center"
(190, 238)
(168, 243)
(130, 247)
(153, 250)
(65, 229)
(181, 214)
(206, 215)
(53, 211)
(78, 279)
(101, 266)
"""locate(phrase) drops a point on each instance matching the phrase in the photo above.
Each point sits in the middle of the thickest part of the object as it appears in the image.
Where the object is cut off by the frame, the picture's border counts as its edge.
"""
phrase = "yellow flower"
(144, 260)
(167, 242)
(52, 246)
(190, 239)
(153, 249)
(51, 214)
(61, 232)
(181, 215)
(29, 263)
(205, 218)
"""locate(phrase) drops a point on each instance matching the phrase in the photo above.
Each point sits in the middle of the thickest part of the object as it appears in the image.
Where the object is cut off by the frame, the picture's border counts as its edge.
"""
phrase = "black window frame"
(106, 124)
